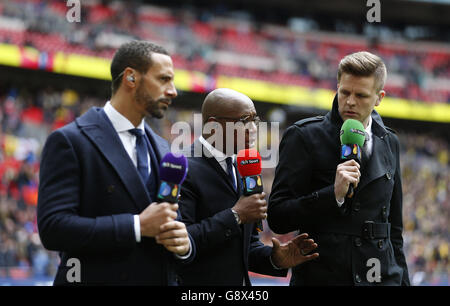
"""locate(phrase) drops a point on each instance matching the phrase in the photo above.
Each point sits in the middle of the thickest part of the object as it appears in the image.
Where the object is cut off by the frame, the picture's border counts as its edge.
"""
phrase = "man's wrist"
(188, 254)
(340, 201)
(236, 216)
(273, 264)
(137, 228)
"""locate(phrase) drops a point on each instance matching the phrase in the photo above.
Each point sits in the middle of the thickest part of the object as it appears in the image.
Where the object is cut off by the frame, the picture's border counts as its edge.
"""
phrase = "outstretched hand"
(294, 252)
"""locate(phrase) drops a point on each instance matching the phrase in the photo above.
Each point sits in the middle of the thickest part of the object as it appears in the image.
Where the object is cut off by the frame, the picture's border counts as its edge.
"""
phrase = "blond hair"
(364, 64)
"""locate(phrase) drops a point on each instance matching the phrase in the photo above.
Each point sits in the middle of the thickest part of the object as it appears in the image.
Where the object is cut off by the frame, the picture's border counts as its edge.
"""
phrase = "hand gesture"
(294, 252)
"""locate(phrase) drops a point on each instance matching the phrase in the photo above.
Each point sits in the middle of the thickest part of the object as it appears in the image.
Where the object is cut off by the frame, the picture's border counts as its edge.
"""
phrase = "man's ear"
(380, 97)
(130, 77)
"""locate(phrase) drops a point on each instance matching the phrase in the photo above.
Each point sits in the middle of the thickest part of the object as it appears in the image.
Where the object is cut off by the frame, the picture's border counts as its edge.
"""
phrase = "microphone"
(172, 170)
(352, 139)
(249, 167)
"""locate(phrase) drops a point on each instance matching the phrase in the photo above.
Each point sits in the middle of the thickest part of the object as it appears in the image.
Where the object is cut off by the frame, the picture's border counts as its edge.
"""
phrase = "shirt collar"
(219, 156)
(369, 127)
(119, 121)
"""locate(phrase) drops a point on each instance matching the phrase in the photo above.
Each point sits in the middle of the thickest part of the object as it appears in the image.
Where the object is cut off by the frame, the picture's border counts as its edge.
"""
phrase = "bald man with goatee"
(218, 217)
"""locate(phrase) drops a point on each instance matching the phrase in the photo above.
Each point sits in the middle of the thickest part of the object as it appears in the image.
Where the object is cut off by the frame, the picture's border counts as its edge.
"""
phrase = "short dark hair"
(364, 64)
(134, 54)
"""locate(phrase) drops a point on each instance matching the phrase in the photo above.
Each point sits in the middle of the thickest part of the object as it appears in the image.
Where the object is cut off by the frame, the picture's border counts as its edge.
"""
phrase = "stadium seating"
(223, 45)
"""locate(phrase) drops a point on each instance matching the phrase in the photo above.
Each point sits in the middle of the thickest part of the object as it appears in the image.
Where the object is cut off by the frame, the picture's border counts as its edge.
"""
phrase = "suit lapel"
(97, 127)
(238, 180)
(215, 164)
(378, 165)
(157, 151)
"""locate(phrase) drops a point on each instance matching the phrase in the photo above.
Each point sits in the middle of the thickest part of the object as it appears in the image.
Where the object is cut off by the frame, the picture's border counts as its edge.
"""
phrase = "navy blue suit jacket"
(89, 191)
(226, 251)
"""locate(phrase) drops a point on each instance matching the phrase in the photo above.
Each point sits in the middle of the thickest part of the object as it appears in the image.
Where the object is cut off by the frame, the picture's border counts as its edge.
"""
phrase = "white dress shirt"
(369, 140)
(122, 126)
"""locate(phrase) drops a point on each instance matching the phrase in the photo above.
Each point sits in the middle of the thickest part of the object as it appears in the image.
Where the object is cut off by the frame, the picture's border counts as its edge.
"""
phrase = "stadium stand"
(223, 45)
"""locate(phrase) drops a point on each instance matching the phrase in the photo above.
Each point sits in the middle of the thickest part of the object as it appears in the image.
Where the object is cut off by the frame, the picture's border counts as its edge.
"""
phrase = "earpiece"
(130, 78)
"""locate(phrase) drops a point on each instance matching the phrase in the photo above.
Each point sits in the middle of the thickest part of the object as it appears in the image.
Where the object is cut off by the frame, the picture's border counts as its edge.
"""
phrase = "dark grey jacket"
(226, 251)
(367, 226)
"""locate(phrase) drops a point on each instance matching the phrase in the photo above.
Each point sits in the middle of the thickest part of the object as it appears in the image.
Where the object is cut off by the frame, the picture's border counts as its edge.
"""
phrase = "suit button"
(358, 242)
(380, 244)
(357, 278)
(384, 211)
(228, 233)
(110, 188)
(388, 175)
(357, 206)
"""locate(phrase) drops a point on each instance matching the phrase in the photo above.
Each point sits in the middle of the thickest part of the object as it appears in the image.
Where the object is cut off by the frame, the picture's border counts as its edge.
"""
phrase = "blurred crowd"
(26, 119)
(426, 207)
(223, 42)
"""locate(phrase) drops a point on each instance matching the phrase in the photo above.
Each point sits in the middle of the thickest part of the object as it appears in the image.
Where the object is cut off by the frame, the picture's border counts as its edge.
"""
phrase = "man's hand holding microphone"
(158, 220)
(348, 173)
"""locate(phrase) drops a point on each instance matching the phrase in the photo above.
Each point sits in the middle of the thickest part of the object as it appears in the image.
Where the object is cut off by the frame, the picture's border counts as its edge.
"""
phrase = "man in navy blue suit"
(99, 178)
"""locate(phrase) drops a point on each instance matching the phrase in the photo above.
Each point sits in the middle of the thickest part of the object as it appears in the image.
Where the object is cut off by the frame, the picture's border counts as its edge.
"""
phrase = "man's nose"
(350, 100)
(171, 91)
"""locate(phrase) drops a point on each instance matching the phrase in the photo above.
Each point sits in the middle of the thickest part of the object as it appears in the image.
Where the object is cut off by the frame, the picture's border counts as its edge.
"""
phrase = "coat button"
(380, 244)
(358, 242)
(388, 175)
(384, 211)
(357, 206)
(357, 278)
(228, 233)
(110, 188)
